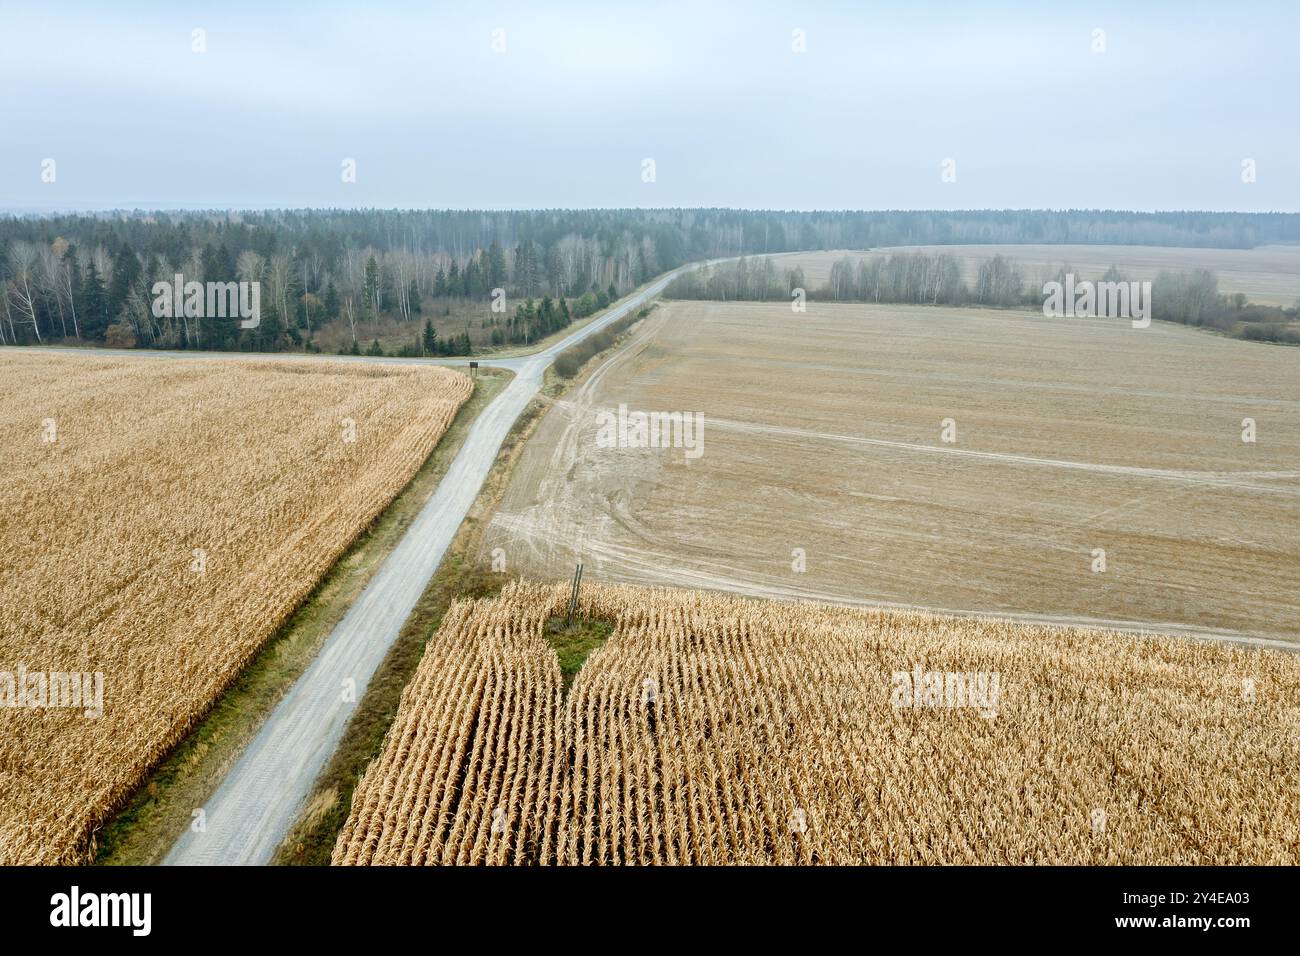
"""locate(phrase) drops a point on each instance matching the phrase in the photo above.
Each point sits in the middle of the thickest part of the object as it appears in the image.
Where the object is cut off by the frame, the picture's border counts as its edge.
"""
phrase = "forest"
(455, 281)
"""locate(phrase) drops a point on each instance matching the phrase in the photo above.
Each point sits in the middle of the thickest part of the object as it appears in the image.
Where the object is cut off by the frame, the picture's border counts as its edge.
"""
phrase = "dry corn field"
(162, 520)
(776, 738)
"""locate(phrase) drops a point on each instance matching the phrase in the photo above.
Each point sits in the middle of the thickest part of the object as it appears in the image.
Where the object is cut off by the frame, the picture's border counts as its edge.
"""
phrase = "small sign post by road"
(473, 369)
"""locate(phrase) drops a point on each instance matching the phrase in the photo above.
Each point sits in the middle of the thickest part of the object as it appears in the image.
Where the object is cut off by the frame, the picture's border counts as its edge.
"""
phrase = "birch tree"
(22, 287)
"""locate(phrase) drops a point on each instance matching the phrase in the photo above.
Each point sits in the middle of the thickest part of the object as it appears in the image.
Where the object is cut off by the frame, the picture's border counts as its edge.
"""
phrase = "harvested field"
(163, 520)
(780, 733)
(1266, 274)
(823, 446)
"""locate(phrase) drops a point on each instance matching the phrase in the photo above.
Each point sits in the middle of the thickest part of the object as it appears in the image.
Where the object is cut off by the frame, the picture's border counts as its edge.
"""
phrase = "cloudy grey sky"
(713, 92)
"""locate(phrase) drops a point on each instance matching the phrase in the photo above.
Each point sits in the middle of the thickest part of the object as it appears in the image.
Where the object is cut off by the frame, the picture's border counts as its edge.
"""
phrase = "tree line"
(90, 278)
(1189, 298)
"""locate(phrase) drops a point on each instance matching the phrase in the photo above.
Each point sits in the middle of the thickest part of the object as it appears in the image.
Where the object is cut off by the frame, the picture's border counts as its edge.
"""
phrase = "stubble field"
(163, 519)
(824, 473)
(716, 730)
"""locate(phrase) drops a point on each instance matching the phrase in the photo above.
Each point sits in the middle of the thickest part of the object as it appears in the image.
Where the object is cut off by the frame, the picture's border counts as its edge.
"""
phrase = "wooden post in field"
(573, 598)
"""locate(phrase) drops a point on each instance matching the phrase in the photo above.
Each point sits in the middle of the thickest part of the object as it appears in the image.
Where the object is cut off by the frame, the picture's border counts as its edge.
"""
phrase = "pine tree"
(126, 272)
(472, 282)
(270, 330)
(430, 338)
(371, 287)
(496, 266)
(94, 304)
(331, 300)
(547, 315)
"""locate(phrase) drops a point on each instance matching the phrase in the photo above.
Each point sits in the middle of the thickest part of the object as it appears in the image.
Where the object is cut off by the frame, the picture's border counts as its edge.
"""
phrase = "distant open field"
(1266, 274)
(715, 730)
(824, 474)
(162, 520)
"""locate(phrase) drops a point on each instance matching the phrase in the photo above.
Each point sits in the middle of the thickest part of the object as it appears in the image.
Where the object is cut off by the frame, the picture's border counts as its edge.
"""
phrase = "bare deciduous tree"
(22, 288)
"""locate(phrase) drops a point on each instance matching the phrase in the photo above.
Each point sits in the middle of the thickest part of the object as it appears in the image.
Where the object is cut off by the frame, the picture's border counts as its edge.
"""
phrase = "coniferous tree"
(94, 304)
(371, 288)
(270, 335)
(126, 272)
(472, 282)
(496, 266)
(331, 300)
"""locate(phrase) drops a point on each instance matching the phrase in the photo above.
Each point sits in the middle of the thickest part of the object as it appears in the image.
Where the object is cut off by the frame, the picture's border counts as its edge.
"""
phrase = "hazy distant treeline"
(89, 277)
(915, 277)
(1190, 298)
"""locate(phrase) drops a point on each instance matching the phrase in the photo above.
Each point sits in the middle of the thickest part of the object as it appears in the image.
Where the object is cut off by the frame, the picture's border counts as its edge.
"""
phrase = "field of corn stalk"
(712, 729)
(161, 520)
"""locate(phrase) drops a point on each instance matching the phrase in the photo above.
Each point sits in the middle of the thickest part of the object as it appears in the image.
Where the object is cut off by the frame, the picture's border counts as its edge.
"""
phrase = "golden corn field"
(161, 520)
(776, 736)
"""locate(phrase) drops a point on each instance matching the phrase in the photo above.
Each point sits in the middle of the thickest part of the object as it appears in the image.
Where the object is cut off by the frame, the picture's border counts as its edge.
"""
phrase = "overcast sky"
(712, 92)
